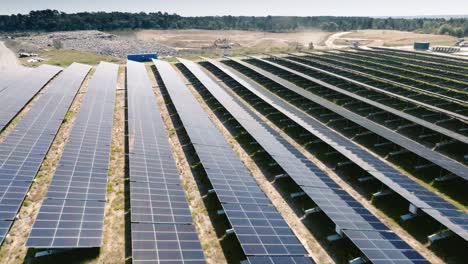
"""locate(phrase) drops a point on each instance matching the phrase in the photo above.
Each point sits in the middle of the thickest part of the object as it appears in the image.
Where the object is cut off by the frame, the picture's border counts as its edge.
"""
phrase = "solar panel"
(9, 76)
(404, 186)
(24, 148)
(260, 229)
(162, 228)
(278, 260)
(72, 213)
(68, 223)
(339, 206)
(166, 243)
(17, 92)
(380, 247)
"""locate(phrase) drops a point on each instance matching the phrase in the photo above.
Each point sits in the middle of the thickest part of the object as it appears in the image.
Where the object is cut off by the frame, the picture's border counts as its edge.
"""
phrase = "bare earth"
(8, 60)
(390, 38)
(196, 39)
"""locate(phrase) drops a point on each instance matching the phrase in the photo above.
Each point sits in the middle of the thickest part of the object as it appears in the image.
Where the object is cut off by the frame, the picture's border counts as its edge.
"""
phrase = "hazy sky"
(249, 7)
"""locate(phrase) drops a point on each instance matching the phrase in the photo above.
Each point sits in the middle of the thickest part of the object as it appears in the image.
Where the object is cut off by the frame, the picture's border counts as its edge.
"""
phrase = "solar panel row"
(340, 207)
(72, 212)
(408, 65)
(407, 81)
(24, 148)
(427, 98)
(448, 215)
(17, 92)
(260, 229)
(162, 228)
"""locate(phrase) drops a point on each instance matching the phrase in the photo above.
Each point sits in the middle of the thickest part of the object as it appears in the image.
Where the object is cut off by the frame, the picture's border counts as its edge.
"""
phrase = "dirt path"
(330, 42)
(8, 60)
(197, 39)
(388, 38)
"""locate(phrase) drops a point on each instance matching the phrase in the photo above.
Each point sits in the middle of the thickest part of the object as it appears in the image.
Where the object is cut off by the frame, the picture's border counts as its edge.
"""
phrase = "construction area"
(329, 148)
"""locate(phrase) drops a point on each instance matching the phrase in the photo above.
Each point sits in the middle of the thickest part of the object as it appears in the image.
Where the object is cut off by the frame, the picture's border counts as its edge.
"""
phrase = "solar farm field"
(339, 156)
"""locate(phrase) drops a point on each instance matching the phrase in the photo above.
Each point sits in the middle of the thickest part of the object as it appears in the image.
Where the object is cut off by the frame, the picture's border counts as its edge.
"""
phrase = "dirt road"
(197, 39)
(388, 38)
(8, 60)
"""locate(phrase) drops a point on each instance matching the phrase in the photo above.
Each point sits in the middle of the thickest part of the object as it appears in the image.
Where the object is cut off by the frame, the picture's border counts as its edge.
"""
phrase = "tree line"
(53, 20)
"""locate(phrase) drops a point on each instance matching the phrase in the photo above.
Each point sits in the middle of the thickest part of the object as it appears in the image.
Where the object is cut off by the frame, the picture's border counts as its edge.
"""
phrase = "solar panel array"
(24, 148)
(441, 210)
(427, 98)
(72, 212)
(406, 79)
(364, 98)
(260, 229)
(339, 206)
(441, 160)
(162, 228)
(17, 92)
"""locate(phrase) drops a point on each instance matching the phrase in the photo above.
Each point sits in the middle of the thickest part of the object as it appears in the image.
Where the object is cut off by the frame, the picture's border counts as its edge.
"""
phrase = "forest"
(53, 20)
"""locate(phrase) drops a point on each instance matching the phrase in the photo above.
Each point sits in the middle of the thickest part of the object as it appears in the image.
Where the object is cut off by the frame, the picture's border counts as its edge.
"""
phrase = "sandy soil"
(390, 38)
(8, 60)
(246, 39)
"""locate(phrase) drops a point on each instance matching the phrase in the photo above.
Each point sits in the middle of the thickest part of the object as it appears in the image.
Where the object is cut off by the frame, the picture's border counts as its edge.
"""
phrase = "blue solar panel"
(260, 229)
(384, 247)
(18, 91)
(24, 148)
(162, 225)
(73, 210)
(339, 206)
(166, 243)
(279, 260)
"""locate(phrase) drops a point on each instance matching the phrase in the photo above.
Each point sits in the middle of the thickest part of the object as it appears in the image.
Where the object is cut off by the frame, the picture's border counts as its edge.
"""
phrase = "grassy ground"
(59, 57)
(64, 58)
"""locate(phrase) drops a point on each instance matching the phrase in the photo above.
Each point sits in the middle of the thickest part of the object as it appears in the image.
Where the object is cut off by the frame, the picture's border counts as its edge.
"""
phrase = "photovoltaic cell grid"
(339, 206)
(162, 225)
(24, 149)
(72, 213)
(258, 226)
(442, 211)
(17, 92)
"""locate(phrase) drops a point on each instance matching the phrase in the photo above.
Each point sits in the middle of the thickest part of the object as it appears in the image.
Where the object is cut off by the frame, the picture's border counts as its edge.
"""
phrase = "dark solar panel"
(68, 224)
(258, 226)
(20, 89)
(162, 225)
(406, 187)
(72, 213)
(24, 148)
(339, 206)
(384, 247)
(166, 243)
(279, 260)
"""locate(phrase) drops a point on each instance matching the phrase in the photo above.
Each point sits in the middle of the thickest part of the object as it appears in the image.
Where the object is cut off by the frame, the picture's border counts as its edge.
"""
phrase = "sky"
(249, 7)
